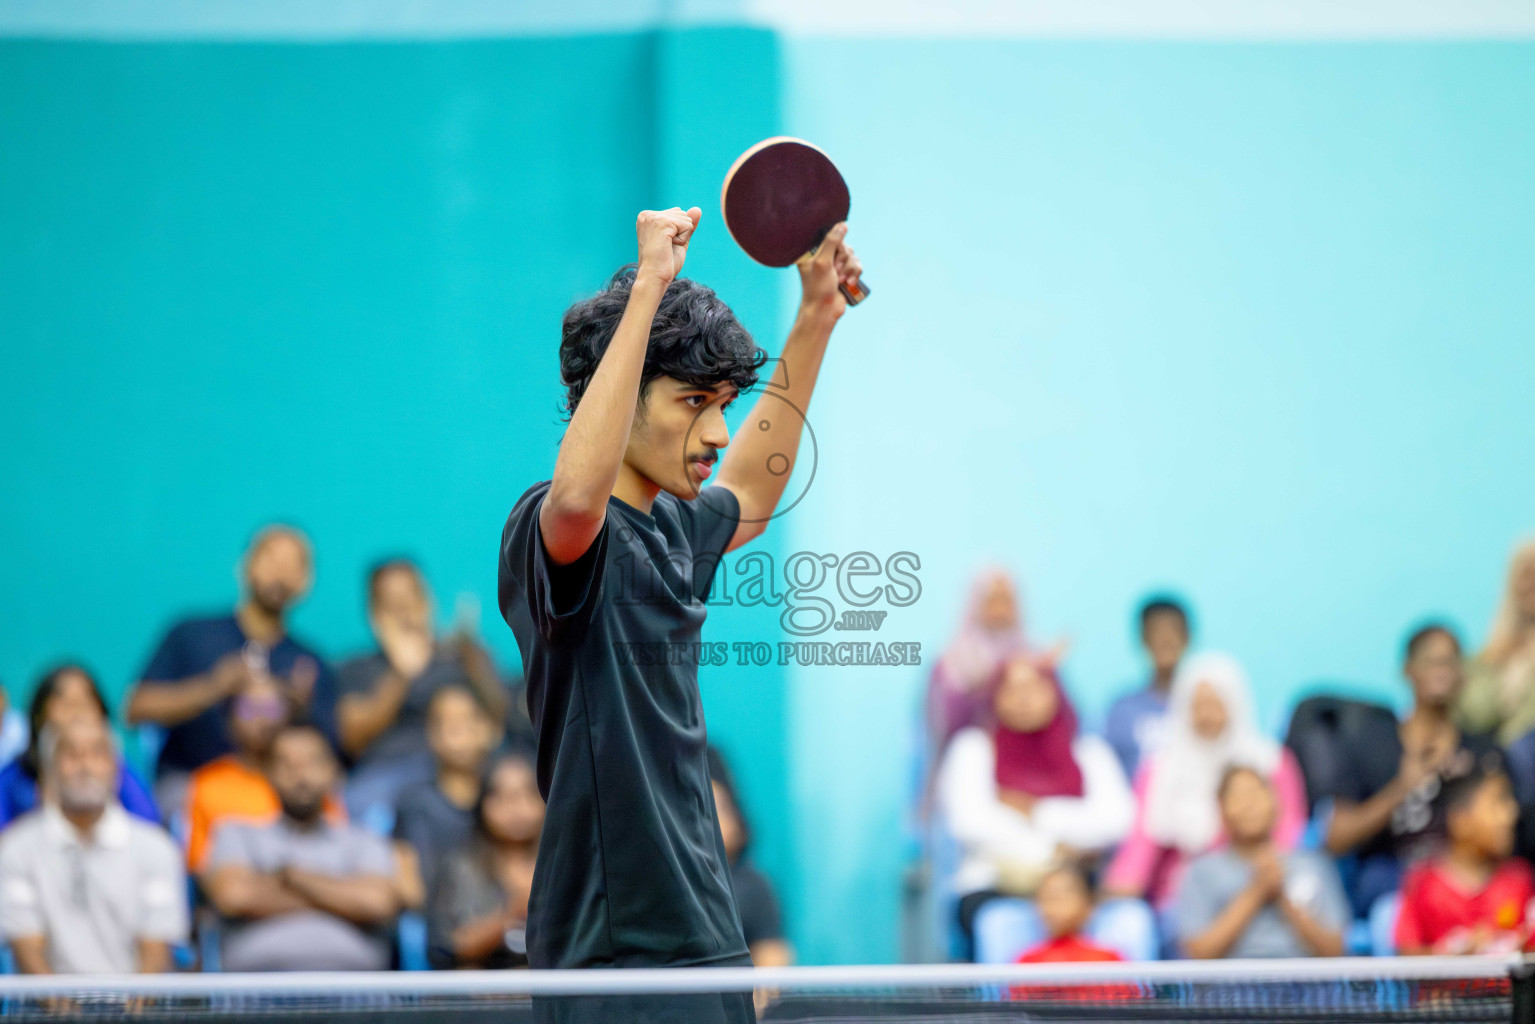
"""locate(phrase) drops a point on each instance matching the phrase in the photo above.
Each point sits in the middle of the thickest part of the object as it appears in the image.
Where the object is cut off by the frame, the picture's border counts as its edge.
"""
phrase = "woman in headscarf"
(991, 632)
(1500, 681)
(1027, 791)
(1210, 727)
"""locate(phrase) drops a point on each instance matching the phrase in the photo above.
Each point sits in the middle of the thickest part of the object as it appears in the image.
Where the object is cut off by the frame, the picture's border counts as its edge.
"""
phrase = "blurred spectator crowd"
(1182, 830)
(382, 814)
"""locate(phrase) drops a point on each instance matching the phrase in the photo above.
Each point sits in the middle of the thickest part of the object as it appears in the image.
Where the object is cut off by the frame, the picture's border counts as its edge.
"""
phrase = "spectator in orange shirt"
(235, 787)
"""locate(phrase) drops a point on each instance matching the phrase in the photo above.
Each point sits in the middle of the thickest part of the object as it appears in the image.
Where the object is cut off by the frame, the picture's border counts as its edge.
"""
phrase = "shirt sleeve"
(21, 911)
(1198, 904)
(231, 845)
(163, 892)
(373, 855)
(1101, 816)
(761, 920)
(560, 599)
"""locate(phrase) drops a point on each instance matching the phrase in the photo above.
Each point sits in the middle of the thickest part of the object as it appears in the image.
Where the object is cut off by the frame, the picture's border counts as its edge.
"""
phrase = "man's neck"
(1428, 717)
(1162, 682)
(635, 490)
(305, 824)
(85, 822)
(259, 624)
(460, 788)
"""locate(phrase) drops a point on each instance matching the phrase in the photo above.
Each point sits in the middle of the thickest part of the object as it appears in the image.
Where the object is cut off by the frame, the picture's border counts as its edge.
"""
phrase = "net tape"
(1351, 989)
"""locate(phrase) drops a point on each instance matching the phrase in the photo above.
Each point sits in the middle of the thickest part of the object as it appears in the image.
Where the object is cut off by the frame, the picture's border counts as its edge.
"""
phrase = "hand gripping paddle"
(779, 200)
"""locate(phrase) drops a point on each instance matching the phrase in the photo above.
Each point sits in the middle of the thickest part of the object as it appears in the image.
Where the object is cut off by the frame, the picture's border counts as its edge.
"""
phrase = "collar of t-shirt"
(111, 830)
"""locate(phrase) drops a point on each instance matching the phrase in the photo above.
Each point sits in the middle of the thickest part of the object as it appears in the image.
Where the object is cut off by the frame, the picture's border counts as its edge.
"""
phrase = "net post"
(1522, 976)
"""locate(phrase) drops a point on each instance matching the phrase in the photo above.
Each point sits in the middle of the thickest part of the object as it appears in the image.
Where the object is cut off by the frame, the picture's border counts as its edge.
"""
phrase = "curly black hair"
(694, 338)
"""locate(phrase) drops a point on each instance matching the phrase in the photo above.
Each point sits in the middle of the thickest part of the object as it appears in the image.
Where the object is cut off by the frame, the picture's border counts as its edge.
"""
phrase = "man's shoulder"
(527, 504)
(151, 839)
(23, 836)
(199, 627)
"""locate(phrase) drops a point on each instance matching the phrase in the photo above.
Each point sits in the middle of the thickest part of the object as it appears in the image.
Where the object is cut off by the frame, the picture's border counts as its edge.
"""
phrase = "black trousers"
(692, 1008)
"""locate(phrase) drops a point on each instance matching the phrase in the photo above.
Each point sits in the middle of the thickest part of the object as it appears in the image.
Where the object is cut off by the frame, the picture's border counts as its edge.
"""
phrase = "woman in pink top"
(1210, 727)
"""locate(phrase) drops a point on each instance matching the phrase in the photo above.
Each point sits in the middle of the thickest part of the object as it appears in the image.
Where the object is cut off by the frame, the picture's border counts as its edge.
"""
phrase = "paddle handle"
(854, 294)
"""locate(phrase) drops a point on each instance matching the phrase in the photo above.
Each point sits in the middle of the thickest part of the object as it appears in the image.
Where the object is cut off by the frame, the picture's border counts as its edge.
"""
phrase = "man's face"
(678, 431)
(85, 770)
(1435, 671)
(1166, 637)
(303, 772)
(458, 731)
(1248, 808)
(401, 595)
(277, 572)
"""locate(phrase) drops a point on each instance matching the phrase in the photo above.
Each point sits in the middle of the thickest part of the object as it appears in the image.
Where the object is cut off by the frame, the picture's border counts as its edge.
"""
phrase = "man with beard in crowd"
(202, 663)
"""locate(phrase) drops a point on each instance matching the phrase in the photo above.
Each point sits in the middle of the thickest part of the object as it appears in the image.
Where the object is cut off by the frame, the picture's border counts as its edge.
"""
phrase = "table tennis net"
(1427, 989)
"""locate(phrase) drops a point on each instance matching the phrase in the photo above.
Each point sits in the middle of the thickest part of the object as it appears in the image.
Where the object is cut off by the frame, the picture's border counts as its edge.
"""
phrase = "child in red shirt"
(1475, 898)
(1065, 902)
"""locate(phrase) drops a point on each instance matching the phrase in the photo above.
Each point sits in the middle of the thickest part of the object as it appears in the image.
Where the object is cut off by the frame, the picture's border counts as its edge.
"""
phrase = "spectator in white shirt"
(84, 887)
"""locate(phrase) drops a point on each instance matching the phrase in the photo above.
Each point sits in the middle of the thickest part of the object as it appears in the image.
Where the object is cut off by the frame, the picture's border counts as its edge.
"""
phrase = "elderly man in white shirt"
(84, 887)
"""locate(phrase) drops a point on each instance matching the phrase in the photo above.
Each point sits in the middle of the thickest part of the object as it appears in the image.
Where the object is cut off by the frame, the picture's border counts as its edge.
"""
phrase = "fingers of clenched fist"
(663, 240)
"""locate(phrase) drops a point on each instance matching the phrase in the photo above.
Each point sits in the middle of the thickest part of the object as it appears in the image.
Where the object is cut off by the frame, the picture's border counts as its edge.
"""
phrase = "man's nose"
(714, 431)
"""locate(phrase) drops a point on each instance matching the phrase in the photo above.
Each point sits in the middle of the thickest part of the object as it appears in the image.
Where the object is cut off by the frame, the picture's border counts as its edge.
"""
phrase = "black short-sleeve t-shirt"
(631, 870)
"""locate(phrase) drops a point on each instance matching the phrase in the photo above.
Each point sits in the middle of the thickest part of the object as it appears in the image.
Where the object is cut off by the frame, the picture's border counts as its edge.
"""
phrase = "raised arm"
(752, 468)
(171, 703)
(592, 452)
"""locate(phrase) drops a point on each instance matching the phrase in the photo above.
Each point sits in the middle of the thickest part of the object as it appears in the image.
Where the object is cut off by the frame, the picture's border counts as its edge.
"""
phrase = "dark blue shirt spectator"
(202, 663)
(192, 649)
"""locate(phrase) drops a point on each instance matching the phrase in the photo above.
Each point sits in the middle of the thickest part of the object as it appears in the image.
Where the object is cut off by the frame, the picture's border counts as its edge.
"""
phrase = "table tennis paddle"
(780, 198)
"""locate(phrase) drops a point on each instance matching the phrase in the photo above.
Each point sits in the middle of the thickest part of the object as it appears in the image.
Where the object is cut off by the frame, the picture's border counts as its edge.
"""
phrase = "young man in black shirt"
(618, 550)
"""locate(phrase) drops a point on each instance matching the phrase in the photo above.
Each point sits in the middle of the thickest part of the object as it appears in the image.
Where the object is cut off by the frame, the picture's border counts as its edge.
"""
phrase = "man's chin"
(683, 491)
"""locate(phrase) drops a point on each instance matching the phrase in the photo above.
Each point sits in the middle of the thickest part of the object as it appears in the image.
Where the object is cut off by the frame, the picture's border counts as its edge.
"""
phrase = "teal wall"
(1251, 321)
(1244, 320)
